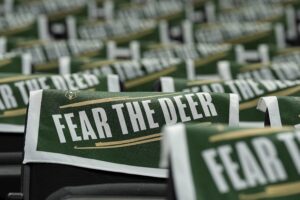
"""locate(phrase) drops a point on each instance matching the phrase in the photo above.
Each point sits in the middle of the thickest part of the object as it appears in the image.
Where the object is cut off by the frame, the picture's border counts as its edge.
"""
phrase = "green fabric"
(121, 31)
(138, 75)
(14, 91)
(259, 12)
(131, 125)
(249, 92)
(54, 9)
(11, 63)
(289, 110)
(260, 71)
(205, 56)
(282, 110)
(289, 54)
(45, 54)
(240, 162)
(250, 34)
(21, 24)
(168, 10)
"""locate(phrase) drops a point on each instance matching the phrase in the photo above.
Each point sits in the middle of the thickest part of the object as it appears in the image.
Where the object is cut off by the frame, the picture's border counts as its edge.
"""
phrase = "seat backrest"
(51, 155)
(40, 180)
(11, 142)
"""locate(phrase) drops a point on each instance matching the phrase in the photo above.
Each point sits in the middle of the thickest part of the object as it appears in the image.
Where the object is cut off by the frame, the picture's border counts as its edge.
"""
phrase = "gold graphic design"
(16, 30)
(90, 53)
(29, 43)
(14, 113)
(61, 14)
(289, 50)
(124, 143)
(172, 15)
(131, 36)
(97, 64)
(238, 134)
(203, 61)
(248, 38)
(254, 67)
(253, 102)
(5, 62)
(279, 190)
(196, 82)
(18, 78)
(47, 66)
(158, 46)
(112, 99)
(154, 76)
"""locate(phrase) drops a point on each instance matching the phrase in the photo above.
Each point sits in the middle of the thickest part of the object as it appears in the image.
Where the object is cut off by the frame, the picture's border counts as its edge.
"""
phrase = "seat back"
(116, 156)
(40, 180)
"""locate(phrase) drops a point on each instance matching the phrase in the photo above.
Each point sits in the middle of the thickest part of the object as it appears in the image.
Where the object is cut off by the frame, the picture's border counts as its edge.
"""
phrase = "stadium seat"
(10, 172)
(120, 191)
(40, 180)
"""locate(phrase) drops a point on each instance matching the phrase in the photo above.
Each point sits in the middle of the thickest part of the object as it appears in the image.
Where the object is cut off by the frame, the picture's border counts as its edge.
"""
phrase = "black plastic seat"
(10, 172)
(40, 180)
(147, 191)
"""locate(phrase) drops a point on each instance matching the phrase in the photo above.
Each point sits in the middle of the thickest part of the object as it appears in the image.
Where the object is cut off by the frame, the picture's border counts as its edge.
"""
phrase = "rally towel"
(118, 132)
(217, 162)
(280, 110)
(136, 75)
(14, 93)
(260, 71)
(249, 92)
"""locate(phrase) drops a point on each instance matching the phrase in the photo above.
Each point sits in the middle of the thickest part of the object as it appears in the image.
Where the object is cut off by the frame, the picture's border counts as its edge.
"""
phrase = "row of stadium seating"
(149, 99)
